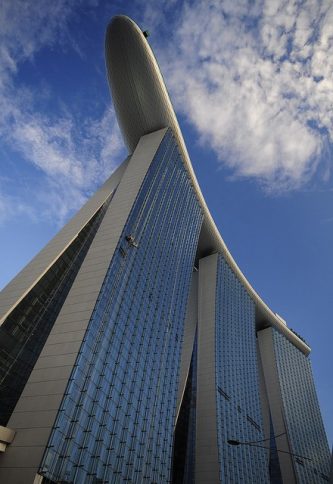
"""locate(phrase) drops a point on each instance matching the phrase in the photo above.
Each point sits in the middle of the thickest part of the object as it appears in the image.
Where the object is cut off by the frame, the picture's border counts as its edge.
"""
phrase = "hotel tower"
(132, 347)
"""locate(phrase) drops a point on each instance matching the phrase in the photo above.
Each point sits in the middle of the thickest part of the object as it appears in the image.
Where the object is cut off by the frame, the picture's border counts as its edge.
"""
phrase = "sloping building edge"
(140, 79)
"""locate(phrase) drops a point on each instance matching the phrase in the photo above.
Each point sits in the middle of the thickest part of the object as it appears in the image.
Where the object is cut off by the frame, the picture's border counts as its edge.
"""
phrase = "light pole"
(255, 442)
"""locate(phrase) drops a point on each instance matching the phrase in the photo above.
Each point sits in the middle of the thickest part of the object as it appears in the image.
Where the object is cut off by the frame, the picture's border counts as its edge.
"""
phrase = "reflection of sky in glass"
(116, 420)
(238, 405)
(303, 419)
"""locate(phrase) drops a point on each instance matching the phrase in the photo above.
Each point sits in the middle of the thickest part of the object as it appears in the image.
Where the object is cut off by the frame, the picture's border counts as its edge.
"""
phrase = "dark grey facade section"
(18, 287)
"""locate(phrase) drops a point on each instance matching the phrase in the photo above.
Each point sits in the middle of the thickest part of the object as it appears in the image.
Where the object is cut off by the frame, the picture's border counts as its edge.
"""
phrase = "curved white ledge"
(142, 106)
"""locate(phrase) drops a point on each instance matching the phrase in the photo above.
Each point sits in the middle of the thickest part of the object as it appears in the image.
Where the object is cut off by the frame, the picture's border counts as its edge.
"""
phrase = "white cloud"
(255, 80)
(72, 158)
(11, 205)
(26, 26)
(72, 153)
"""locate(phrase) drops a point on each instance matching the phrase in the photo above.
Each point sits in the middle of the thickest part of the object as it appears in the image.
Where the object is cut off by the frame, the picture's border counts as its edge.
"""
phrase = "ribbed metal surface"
(142, 106)
(139, 94)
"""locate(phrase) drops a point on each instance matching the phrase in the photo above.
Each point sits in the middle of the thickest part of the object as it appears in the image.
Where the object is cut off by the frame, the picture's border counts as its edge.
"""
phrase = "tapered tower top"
(138, 90)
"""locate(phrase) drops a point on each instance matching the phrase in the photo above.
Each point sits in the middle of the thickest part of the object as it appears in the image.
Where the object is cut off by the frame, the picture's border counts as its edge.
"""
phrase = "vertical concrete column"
(190, 325)
(207, 462)
(272, 384)
(263, 398)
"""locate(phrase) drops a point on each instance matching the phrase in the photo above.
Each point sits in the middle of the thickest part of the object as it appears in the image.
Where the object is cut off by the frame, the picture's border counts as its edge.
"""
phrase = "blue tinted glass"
(237, 396)
(116, 420)
(303, 420)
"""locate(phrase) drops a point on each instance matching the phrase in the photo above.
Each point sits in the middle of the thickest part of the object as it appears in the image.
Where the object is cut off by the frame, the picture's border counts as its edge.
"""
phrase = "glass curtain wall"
(306, 433)
(237, 394)
(117, 418)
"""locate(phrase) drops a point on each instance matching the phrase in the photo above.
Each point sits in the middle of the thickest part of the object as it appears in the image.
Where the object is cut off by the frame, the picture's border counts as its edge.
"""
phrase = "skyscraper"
(132, 346)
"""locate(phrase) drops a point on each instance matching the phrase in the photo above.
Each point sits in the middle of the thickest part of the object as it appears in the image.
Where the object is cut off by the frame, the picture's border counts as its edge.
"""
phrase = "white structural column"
(263, 398)
(25, 280)
(36, 410)
(272, 384)
(206, 457)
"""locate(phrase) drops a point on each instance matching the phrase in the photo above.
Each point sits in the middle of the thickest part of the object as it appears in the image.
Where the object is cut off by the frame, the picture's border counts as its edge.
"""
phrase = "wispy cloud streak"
(72, 154)
(255, 80)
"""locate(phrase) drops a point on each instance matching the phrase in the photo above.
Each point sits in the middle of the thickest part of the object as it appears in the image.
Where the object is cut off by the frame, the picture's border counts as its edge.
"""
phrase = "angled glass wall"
(238, 405)
(116, 420)
(305, 430)
(25, 330)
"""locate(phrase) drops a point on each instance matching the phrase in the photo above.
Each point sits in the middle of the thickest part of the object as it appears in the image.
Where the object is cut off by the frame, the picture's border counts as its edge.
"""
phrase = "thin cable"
(264, 440)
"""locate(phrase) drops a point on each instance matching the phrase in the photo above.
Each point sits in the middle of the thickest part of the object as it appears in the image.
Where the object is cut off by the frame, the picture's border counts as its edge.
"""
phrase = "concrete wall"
(207, 463)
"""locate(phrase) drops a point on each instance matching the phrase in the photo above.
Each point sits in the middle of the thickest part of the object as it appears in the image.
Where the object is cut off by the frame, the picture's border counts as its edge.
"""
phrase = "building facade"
(132, 347)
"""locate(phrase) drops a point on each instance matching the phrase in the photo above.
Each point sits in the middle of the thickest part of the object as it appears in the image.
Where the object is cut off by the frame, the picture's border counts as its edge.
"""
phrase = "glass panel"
(116, 420)
(306, 433)
(237, 394)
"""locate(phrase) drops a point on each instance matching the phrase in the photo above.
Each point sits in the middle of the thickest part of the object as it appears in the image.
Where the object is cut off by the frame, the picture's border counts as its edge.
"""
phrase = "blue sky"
(252, 85)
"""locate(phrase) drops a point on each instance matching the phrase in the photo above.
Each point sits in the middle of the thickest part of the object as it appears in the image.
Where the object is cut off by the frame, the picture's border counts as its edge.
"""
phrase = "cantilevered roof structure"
(143, 105)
